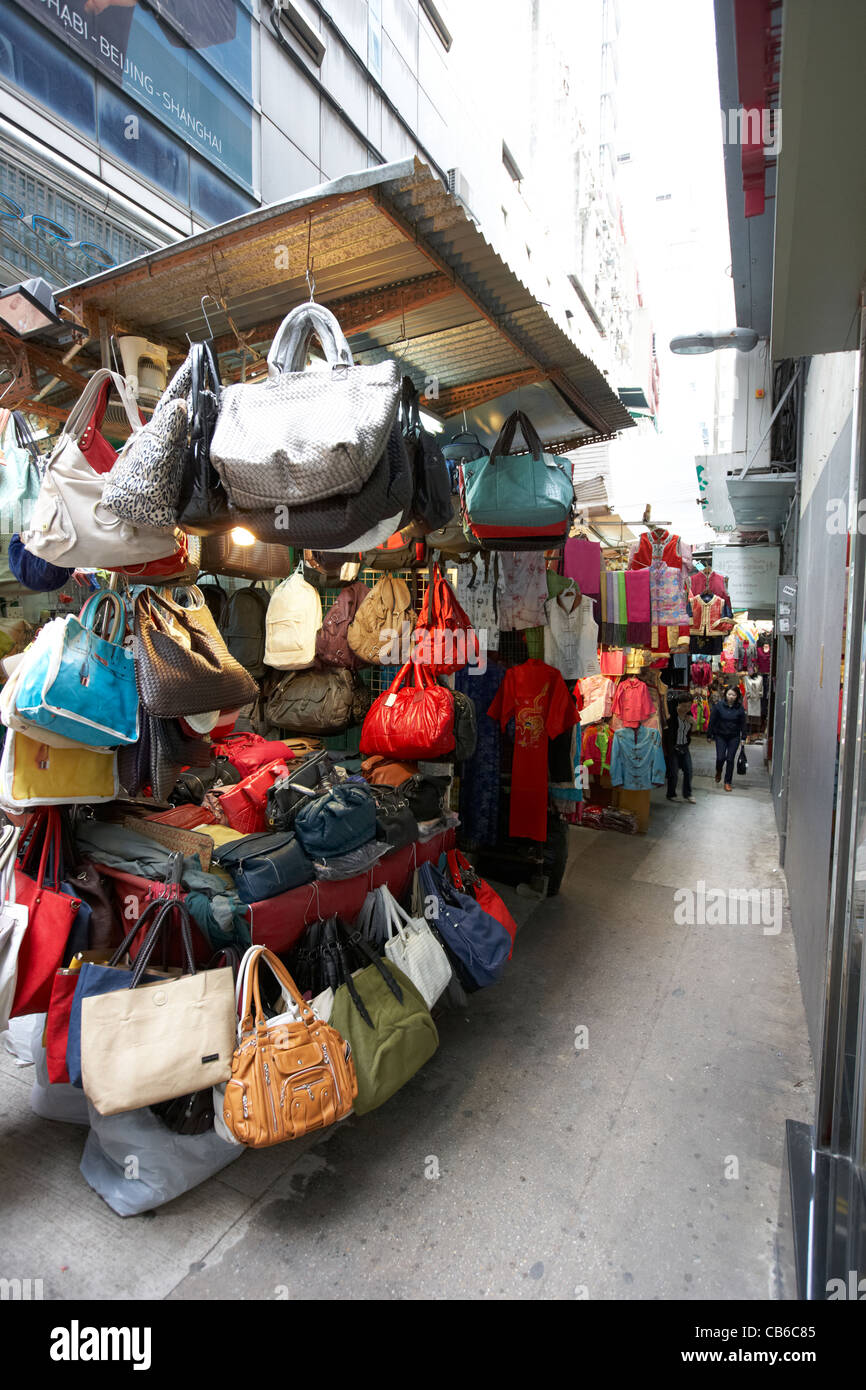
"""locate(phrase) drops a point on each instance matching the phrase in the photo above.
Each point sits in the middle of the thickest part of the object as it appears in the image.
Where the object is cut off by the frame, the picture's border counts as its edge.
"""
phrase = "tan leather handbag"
(380, 619)
(292, 1073)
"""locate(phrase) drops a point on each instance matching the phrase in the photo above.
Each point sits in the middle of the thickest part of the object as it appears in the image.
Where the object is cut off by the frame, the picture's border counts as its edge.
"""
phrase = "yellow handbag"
(33, 774)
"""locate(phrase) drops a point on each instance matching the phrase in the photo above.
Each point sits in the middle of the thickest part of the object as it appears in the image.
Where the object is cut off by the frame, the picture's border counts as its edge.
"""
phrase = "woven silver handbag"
(301, 436)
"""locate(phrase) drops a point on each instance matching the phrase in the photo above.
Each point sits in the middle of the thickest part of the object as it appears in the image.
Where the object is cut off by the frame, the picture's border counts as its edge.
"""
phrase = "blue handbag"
(479, 944)
(518, 501)
(264, 865)
(341, 820)
(39, 576)
(82, 685)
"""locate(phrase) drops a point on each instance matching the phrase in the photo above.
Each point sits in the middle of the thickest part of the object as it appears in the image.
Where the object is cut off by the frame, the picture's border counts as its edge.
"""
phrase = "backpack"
(380, 619)
(293, 619)
(216, 599)
(242, 626)
(332, 647)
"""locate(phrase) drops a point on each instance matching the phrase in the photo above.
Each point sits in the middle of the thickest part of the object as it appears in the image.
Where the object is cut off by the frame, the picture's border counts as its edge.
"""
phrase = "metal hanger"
(207, 295)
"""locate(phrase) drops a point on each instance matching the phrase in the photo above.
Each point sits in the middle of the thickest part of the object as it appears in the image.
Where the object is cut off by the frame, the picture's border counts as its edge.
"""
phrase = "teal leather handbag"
(518, 501)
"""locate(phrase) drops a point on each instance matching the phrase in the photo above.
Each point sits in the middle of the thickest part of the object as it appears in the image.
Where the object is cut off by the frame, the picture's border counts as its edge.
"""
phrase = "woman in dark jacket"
(728, 726)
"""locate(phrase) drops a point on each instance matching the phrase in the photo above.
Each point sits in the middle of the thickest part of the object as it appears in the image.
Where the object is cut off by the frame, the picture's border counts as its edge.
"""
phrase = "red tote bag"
(57, 1024)
(50, 917)
(410, 721)
(466, 880)
(248, 752)
(444, 638)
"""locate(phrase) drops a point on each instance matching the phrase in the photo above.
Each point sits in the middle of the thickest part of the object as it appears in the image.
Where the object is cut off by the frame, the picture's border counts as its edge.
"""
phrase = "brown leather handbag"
(387, 772)
(289, 1076)
(181, 665)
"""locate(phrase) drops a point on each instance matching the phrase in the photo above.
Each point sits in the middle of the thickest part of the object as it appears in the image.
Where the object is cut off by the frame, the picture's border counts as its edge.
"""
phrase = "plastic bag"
(135, 1163)
(60, 1101)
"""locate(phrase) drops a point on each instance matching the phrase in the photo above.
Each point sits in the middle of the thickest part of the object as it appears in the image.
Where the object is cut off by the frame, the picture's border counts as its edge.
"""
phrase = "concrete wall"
(814, 712)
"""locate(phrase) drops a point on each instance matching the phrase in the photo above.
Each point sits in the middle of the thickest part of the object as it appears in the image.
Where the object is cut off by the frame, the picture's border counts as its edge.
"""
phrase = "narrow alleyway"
(645, 1165)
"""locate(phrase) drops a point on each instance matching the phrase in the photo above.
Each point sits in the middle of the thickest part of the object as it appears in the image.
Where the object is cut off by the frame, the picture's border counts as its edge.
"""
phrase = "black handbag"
(288, 794)
(431, 494)
(336, 522)
(395, 822)
(465, 727)
(192, 786)
(742, 762)
(202, 507)
(424, 795)
(264, 865)
(343, 819)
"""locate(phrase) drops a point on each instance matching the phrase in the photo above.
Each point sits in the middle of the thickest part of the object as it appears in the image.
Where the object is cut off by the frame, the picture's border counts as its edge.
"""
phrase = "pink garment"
(612, 663)
(632, 702)
(597, 695)
(637, 596)
(764, 661)
(582, 562)
(712, 581)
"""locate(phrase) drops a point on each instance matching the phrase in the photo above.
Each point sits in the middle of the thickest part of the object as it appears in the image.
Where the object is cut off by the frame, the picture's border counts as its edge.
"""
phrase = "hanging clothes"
(754, 692)
(596, 698)
(708, 619)
(637, 761)
(657, 544)
(582, 562)
(479, 778)
(638, 608)
(536, 697)
(612, 663)
(595, 748)
(701, 673)
(632, 702)
(476, 592)
(571, 636)
(522, 589)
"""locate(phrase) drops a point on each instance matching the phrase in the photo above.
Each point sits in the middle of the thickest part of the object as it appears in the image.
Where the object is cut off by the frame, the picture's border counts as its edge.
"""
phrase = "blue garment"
(479, 781)
(637, 761)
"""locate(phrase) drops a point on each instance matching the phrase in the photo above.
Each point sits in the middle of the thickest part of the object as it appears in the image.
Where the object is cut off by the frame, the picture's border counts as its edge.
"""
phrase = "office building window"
(39, 67)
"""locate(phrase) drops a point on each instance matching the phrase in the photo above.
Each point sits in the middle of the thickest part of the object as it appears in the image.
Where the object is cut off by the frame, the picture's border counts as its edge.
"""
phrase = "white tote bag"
(413, 948)
(70, 526)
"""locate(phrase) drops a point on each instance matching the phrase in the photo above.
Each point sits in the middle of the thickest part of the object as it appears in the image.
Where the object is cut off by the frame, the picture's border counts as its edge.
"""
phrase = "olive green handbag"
(383, 1017)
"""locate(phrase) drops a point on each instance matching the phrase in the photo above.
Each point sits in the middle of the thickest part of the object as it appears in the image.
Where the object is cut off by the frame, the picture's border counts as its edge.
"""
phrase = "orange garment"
(632, 702)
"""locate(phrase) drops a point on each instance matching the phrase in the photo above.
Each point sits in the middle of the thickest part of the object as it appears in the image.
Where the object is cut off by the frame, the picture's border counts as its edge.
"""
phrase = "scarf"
(613, 609)
(637, 594)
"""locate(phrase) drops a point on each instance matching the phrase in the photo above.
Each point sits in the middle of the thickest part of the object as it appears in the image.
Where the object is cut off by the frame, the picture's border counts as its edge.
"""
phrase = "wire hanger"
(209, 339)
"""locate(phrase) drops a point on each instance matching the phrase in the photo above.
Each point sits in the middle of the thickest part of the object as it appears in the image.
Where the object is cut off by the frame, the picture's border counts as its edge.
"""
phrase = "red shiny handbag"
(181, 567)
(243, 806)
(248, 752)
(51, 913)
(410, 721)
(444, 638)
(466, 880)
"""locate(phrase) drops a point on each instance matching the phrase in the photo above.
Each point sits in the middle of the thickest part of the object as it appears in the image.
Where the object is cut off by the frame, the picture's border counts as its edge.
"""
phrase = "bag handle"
(79, 416)
(252, 992)
(89, 615)
(356, 939)
(505, 438)
(289, 348)
(410, 405)
(465, 434)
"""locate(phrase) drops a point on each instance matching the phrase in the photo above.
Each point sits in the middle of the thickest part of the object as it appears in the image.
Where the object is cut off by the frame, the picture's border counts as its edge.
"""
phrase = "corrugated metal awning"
(405, 269)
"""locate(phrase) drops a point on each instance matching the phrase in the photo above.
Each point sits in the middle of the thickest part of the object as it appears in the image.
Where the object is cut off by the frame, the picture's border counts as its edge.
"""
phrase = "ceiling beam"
(452, 399)
(358, 312)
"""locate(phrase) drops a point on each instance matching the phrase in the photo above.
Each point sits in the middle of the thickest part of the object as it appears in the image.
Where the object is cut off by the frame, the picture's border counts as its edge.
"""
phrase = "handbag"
(465, 727)
(288, 794)
(39, 576)
(302, 436)
(141, 1046)
(181, 667)
(414, 949)
(342, 819)
(399, 552)
(444, 638)
(144, 483)
(83, 685)
(223, 554)
(431, 497)
(33, 773)
(13, 921)
(181, 567)
(247, 752)
(742, 762)
(515, 502)
(69, 525)
(202, 504)
(395, 823)
(264, 865)
(387, 772)
(467, 880)
(385, 1020)
(473, 936)
(244, 806)
(50, 914)
(290, 1074)
(414, 721)
(320, 702)
(347, 521)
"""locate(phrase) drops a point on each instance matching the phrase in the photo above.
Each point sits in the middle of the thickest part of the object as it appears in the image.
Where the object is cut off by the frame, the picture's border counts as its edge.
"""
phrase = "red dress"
(537, 698)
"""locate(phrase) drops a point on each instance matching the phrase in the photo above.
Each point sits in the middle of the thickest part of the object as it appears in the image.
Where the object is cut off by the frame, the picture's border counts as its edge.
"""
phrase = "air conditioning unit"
(458, 186)
(145, 366)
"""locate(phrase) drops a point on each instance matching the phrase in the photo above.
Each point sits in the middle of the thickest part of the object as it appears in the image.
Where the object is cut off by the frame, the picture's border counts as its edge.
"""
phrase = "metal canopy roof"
(408, 274)
(761, 500)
